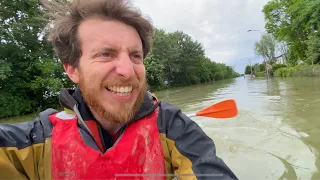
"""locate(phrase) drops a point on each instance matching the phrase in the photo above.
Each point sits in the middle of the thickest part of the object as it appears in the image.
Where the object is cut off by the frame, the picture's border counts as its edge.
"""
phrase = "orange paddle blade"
(223, 109)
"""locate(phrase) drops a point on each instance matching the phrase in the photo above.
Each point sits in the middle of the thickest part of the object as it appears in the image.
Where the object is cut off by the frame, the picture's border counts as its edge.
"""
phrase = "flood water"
(276, 134)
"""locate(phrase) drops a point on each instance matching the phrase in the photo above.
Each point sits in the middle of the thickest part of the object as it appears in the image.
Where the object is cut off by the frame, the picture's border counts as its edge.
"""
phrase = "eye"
(137, 56)
(105, 54)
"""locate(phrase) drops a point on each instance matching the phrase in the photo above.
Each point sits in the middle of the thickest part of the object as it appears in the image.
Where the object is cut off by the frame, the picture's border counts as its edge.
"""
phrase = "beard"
(124, 112)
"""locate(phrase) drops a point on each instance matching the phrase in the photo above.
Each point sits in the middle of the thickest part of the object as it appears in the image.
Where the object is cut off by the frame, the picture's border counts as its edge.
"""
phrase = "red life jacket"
(137, 154)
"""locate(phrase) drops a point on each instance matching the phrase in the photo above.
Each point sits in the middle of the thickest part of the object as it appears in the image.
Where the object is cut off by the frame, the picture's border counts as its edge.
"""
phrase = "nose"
(125, 67)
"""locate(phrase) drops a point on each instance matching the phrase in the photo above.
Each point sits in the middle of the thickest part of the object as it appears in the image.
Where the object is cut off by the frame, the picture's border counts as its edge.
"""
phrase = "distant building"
(281, 59)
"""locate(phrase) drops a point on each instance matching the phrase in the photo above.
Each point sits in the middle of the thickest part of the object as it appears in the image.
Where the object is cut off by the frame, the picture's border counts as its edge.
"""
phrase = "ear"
(73, 72)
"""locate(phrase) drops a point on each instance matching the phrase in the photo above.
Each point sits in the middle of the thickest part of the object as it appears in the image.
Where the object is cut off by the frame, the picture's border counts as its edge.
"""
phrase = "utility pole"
(266, 68)
(265, 62)
(312, 68)
(250, 66)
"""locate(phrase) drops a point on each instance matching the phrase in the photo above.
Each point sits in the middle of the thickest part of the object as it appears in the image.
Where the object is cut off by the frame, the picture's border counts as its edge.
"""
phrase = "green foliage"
(247, 70)
(207, 73)
(5, 69)
(266, 47)
(14, 105)
(297, 24)
(155, 72)
(30, 76)
(298, 71)
(260, 74)
(284, 72)
(262, 67)
(277, 66)
(257, 69)
(179, 60)
(313, 51)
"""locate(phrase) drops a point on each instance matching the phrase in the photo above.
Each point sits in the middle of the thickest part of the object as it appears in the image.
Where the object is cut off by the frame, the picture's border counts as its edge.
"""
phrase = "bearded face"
(114, 111)
(110, 74)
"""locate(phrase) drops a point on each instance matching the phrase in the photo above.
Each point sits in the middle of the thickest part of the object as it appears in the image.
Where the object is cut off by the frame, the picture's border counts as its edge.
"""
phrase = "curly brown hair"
(64, 20)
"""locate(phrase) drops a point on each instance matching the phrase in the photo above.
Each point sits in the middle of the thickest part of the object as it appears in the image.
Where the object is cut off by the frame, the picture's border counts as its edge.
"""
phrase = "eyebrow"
(103, 49)
(136, 49)
(132, 50)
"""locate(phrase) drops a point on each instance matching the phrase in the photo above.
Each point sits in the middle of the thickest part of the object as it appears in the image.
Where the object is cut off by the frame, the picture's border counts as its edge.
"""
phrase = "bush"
(12, 106)
(260, 74)
(298, 71)
(278, 66)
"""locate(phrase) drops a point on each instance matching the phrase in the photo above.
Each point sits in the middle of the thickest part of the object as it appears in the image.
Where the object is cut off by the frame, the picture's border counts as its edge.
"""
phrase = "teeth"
(121, 91)
(123, 94)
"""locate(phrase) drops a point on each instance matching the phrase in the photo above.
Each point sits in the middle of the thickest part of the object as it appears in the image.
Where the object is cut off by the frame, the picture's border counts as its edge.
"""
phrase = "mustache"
(134, 82)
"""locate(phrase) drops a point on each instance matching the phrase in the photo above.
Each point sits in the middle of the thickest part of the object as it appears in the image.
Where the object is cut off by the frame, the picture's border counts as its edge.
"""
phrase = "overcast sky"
(220, 25)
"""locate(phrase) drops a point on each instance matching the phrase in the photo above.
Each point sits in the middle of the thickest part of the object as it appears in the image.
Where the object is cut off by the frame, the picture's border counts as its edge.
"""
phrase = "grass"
(18, 119)
(298, 71)
(260, 74)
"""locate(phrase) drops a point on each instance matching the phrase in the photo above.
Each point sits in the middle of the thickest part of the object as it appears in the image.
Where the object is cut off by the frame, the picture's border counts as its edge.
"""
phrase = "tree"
(266, 47)
(313, 51)
(256, 68)
(30, 75)
(206, 73)
(247, 70)
(154, 72)
(282, 47)
(262, 67)
(297, 24)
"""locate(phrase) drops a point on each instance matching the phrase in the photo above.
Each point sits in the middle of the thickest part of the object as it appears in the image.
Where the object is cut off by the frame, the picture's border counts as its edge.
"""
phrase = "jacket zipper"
(84, 125)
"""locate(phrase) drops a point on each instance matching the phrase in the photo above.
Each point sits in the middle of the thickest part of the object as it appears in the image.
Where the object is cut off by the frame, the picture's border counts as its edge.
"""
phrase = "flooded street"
(276, 133)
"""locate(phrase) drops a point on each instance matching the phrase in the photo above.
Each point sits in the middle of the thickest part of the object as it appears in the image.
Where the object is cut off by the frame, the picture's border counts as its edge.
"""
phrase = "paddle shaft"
(191, 115)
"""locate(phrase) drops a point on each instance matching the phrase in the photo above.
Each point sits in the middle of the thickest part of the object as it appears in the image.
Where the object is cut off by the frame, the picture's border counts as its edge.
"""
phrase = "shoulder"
(190, 144)
(167, 114)
(25, 134)
(173, 121)
(168, 110)
(171, 112)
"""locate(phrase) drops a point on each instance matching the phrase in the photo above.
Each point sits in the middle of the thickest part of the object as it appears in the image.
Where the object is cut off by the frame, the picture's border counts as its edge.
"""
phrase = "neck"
(112, 128)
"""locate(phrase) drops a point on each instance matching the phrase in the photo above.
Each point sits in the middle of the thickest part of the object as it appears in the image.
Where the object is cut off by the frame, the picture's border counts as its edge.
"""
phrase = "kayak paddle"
(223, 109)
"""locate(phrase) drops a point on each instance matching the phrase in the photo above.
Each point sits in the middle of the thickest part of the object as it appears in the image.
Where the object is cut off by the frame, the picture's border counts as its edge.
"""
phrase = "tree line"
(178, 60)
(295, 26)
(292, 32)
(258, 69)
(255, 68)
(31, 76)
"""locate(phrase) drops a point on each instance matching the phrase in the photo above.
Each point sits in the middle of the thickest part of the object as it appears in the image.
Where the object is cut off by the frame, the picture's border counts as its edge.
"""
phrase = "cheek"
(95, 74)
(140, 71)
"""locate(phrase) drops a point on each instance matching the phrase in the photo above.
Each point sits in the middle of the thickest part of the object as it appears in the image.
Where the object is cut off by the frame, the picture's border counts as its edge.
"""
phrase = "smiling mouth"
(120, 90)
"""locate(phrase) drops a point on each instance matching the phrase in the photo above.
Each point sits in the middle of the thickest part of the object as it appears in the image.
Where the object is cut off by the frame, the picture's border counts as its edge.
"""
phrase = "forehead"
(98, 32)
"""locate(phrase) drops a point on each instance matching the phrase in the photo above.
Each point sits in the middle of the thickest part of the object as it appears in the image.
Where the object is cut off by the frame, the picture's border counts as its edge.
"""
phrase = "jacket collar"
(69, 98)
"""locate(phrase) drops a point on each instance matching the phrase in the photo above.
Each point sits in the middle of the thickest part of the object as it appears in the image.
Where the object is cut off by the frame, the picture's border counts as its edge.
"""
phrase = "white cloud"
(220, 25)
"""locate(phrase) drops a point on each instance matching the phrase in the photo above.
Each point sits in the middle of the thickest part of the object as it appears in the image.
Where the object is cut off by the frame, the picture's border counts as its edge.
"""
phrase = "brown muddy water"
(276, 134)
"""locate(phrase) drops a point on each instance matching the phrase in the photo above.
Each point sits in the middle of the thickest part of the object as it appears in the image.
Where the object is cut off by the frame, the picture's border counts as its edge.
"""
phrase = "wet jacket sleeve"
(25, 150)
(191, 152)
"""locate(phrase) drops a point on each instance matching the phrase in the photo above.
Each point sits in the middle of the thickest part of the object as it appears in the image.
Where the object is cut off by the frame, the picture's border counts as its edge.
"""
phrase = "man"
(111, 126)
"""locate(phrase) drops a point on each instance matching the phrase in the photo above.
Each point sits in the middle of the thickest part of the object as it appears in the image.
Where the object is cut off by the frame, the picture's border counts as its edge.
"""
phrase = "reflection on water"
(274, 136)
